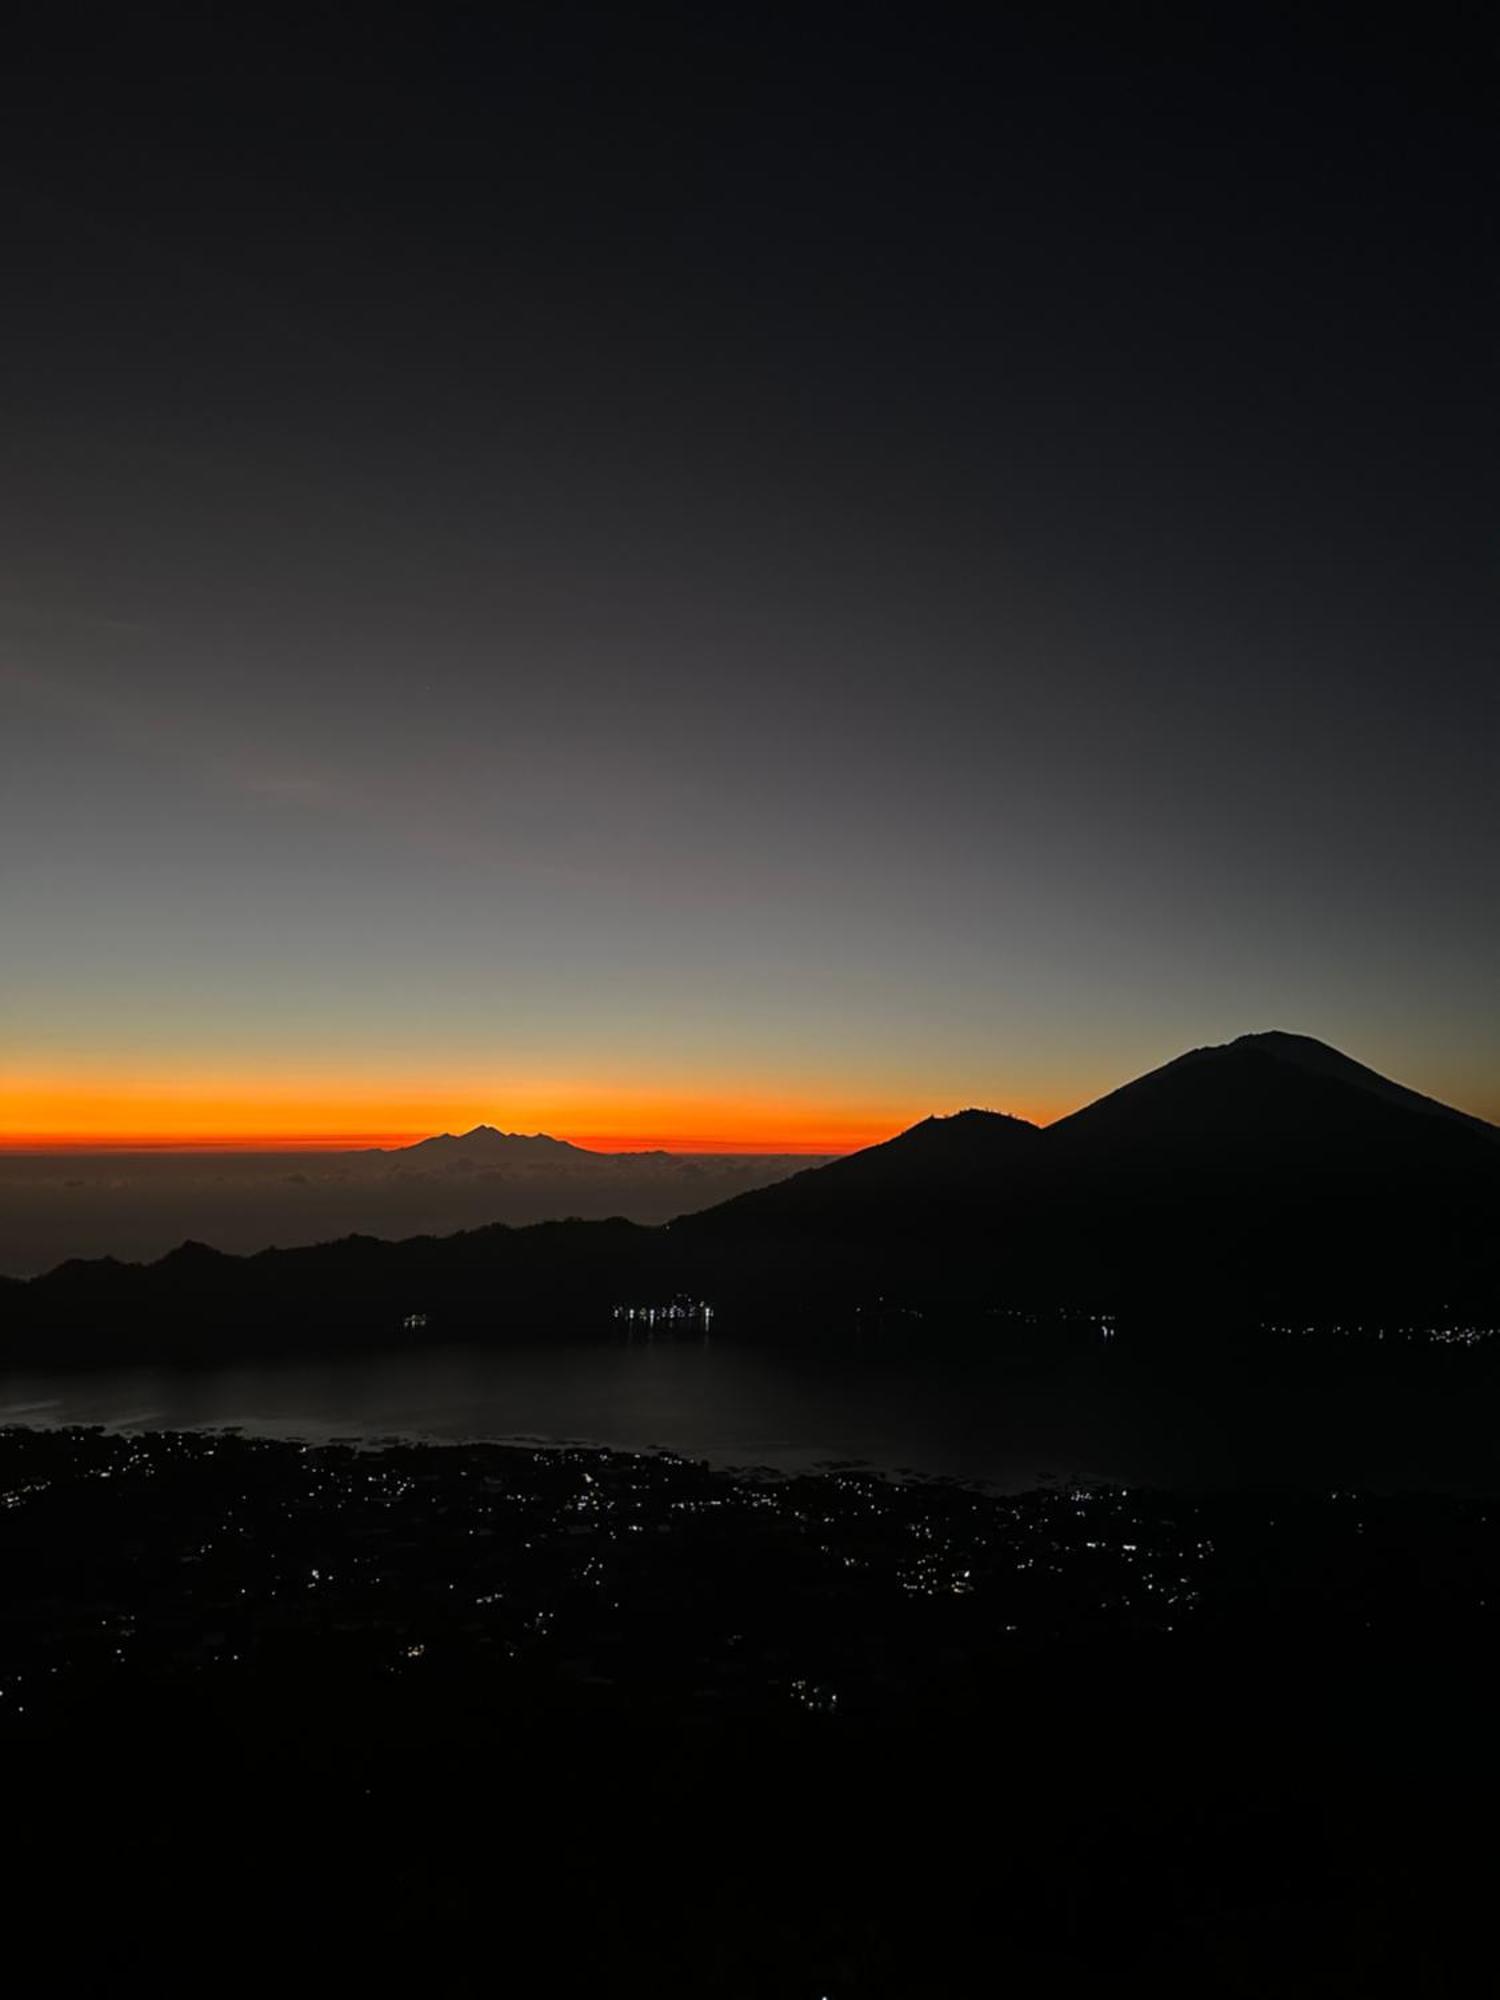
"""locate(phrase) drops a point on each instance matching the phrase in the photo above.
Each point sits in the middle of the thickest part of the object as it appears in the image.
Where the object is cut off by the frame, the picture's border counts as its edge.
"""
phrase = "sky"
(734, 578)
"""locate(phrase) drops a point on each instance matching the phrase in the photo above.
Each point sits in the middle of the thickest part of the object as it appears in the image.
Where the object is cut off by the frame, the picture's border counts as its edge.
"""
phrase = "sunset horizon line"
(225, 1115)
(390, 1142)
(66, 1118)
(829, 1138)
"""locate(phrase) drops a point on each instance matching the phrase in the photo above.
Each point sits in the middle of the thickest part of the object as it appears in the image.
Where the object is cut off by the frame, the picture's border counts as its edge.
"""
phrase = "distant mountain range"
(137, 1205)
(1271, 1174)
(484, 1144)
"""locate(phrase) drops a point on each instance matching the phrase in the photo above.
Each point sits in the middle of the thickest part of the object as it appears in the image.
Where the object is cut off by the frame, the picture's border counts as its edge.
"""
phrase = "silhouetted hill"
(496, 1283)
(921, 1201)
(958, 1162)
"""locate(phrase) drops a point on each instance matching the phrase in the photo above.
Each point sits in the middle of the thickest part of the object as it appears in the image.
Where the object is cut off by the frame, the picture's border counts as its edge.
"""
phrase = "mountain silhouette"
(1276, 1168)
(920, 1201)
(1269, 1175)
(1271, 1169)
(1276, 1097)
(486, 1146)
(947, 1164)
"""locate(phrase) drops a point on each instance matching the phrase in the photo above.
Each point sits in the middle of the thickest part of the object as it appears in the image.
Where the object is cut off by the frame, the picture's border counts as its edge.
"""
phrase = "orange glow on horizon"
(176, 1114)
(351, 1142)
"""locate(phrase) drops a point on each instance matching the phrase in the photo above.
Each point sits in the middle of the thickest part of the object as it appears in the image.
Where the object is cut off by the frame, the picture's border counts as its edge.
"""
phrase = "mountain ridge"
(487, 1141)
(1261, 1176)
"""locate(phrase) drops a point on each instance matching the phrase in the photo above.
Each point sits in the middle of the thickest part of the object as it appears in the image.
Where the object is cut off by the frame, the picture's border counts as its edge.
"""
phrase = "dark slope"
(1303, 1052)
(958, 1163)
(914, 1209)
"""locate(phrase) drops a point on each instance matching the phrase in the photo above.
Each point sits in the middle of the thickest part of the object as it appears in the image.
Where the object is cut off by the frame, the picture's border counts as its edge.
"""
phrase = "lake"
(1094, 1413)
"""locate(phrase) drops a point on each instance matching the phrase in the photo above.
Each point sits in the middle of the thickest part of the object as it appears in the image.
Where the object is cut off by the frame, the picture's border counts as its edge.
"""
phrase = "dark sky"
(713, 573)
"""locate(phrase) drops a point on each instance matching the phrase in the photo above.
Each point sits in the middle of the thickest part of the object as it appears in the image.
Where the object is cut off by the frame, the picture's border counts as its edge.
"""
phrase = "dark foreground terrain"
(481, 1719)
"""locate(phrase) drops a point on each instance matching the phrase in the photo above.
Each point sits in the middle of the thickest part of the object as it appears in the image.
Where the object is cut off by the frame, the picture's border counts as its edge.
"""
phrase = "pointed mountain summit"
(1272, 1169)
(1304, 1052)
(1269, 1100)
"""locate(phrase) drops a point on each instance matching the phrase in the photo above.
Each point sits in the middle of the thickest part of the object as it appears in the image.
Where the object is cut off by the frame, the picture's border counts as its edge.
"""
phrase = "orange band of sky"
(49, 1115)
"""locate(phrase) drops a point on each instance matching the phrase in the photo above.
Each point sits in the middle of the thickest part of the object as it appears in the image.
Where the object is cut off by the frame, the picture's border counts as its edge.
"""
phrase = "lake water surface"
(1093, 1414)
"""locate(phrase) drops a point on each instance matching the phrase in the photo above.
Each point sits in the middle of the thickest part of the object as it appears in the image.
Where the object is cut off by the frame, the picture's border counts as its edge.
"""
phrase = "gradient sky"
(724, 577)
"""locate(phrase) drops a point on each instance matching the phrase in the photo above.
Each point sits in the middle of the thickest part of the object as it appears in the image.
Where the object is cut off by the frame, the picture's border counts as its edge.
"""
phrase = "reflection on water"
(733, 1406)
(1093, 1415)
